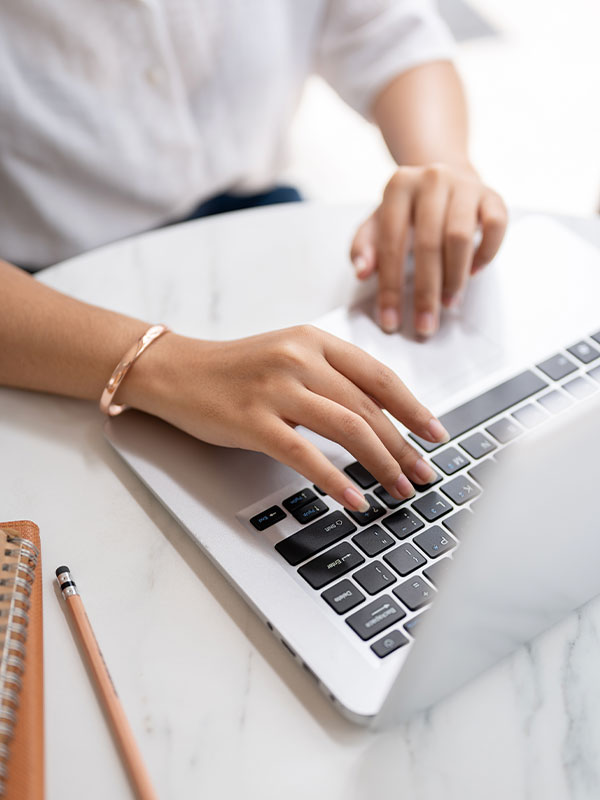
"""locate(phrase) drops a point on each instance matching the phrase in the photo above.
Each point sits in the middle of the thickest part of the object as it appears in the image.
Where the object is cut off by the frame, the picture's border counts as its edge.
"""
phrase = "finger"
(493, 217)
(386, 388)
(461, 224)
(337, 388)
(393, 225)
(342, 425)
(290, 448)
(362, 252)
(430, 214)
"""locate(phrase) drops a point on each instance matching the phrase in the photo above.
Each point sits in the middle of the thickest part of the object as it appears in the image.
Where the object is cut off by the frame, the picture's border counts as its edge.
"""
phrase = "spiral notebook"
(21, 663)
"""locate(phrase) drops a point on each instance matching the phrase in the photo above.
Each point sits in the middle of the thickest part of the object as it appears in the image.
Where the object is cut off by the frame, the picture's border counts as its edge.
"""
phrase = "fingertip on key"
(437, 431)
(354, 500)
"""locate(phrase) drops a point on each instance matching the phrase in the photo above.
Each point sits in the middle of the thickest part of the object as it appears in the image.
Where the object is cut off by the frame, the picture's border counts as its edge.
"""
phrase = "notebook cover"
(25, 778)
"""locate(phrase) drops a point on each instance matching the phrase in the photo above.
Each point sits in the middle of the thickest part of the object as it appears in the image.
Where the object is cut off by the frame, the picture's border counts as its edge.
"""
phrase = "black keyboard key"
(504, 430)
(404, 559)
(423, 487)
(436, 571)
(460, 490)
(299, 499)
(555, 401)
(316, 537)
(310, 511)
(595, 374)
(596, 337)
(365, 517)
(403, 523)
(415, 593)
(432, 506)
(580, 387)
(557, 367)
(373, 540)
(319, 490)
(450, 460)
(267, 518)
(530, 415)
(331, 565)
(435, 541)
(388, 643)
(584, 352)
(387, 498)
(483, 471)
(456, 523)
(360, 475)
(477, 445)
(343, 596)
(487, 405)
(374, 577)
(375, 617)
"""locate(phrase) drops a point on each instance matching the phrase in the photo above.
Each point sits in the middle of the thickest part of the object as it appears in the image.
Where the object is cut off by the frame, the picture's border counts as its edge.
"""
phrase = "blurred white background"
(534, 96)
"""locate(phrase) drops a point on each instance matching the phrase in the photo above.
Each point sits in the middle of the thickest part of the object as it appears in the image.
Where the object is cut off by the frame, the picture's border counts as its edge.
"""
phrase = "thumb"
(362, 252)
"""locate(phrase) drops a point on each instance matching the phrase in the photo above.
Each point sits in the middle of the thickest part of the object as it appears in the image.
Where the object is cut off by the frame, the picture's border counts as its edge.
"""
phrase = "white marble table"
(218, 706)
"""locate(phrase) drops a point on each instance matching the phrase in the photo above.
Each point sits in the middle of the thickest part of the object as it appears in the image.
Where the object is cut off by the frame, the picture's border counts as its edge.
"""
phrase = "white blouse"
(119, 115)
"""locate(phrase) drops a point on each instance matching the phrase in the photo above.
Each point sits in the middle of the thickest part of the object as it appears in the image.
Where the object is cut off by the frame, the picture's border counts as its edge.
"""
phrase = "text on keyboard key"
(450, 460)
(435, 541)
(557, 367)
(343, 597)
(584, 352)
(388, 643)
(460, 490)
(331, 565)
(365, 517)
(374, 577)
(299, 499)
(403, 523)
(477, 445)
(375, 617)
(504, 430)
(404, 559)
(432, 506)
(415, 593)
(315, 537)
(310, 511)
(267, 518)
(373, 540)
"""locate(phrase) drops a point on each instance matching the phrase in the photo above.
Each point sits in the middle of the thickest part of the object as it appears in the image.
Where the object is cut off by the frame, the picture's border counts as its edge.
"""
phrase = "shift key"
(315, 537)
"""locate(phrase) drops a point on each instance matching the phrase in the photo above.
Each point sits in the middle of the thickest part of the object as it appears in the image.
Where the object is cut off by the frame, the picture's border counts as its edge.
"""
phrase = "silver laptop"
(393, 609)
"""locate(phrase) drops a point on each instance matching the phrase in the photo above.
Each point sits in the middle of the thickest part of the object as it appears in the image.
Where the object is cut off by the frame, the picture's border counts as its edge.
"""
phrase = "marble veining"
(219, 707)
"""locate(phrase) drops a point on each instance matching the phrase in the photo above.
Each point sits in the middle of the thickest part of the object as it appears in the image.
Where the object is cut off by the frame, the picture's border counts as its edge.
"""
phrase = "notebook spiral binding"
(19, 560)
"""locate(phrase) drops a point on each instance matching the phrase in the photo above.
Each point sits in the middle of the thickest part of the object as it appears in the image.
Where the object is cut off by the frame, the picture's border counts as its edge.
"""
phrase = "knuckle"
(352, 425)
(433, 175)
(458, 237)
(296, 450)
(369, 410)
(384, 378)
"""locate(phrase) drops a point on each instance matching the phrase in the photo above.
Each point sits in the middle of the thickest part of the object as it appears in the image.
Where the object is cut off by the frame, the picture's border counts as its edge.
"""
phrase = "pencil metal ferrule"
(66, 582)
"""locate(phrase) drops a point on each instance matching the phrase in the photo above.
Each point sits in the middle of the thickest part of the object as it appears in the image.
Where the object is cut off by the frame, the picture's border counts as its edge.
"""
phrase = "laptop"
(392, 610)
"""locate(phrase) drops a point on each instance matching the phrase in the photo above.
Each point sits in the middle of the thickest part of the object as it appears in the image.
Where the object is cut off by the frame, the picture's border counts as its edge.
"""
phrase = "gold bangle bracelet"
(123, 367)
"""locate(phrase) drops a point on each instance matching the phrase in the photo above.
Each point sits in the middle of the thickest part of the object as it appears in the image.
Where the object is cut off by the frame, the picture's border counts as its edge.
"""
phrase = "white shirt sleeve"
(364, 44)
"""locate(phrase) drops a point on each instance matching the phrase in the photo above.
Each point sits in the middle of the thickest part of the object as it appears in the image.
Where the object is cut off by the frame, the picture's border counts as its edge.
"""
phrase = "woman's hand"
(252, 393)
(444, 205)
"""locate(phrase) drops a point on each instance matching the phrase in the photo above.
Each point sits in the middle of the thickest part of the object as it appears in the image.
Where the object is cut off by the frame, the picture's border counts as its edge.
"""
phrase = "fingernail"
(405, 487)
(389, 320)
(355, 500)
(425, 324)
(437, 431)
(425, 473)
(360, 264)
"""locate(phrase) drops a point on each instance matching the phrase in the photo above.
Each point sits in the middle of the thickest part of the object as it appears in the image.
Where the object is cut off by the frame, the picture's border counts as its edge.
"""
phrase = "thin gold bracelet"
(123, 367)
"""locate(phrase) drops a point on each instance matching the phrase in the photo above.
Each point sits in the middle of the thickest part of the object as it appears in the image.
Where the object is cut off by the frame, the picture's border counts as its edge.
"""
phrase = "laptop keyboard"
(379, 569)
